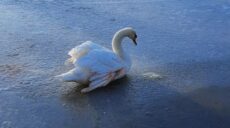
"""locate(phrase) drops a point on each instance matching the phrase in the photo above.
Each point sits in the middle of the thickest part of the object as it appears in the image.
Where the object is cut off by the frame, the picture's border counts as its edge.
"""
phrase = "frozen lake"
(186, 42)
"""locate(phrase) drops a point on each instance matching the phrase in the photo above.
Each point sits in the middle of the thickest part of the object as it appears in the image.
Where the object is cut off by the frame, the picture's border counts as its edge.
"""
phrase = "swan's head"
(128, 32)
(132, 35)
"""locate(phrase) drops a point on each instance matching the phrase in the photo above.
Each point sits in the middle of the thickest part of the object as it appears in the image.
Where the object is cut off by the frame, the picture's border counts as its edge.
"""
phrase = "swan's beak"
(134, 41)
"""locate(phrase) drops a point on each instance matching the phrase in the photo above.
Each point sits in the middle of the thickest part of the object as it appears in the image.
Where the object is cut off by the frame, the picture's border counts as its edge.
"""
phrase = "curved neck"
(117, 47)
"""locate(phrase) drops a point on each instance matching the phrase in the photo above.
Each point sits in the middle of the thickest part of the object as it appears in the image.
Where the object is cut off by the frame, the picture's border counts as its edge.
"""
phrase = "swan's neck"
(117, 48)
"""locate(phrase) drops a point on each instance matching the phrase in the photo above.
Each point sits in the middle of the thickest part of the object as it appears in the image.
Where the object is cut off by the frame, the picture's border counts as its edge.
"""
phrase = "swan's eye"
(135, 36)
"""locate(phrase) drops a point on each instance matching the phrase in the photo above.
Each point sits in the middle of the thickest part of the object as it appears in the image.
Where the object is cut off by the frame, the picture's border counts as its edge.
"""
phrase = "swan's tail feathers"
(73, 56)
(68, 76)
(77, 52)
(69, 61)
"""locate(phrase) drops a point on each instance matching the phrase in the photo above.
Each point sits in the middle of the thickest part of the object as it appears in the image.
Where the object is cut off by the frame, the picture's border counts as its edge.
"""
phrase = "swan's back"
(82, 50)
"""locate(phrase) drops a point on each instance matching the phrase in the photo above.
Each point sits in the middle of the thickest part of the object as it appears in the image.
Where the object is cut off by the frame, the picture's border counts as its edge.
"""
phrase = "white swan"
(96, 65)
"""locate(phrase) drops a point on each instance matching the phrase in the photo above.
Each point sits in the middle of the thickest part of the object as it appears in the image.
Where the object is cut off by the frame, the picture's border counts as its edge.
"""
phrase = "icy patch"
(151, 75)
(4, 89)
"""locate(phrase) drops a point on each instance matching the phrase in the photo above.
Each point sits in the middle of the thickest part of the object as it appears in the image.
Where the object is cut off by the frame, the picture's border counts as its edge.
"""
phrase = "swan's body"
(96, 65)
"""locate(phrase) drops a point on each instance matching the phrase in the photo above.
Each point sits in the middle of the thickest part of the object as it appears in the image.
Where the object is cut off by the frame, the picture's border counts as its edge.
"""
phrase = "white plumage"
(96, 65)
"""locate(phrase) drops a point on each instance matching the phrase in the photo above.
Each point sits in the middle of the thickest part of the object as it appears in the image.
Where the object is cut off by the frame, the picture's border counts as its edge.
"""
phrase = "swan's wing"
(100, 61)
(102, 81)
(82, 50)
